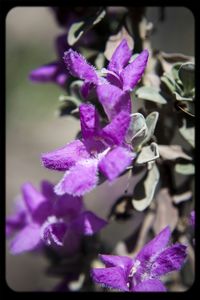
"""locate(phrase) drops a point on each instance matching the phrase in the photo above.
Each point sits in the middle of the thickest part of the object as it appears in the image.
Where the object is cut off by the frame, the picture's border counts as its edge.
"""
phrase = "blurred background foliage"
(32, 126)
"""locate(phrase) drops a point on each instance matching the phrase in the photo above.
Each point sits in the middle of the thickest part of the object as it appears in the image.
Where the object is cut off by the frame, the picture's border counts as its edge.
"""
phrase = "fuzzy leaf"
(186, 75)
(66, 108)
(114, 41)
(151, 94)
(99, 61)
(137, 130)
(149, 185)
(185, 169)
(172, 152)
(75, 88)
(77, 29)
(151, 121)
(148, 153)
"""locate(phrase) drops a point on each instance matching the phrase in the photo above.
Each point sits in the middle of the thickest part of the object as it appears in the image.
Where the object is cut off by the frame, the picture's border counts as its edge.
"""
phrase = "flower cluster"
(45, 218)
(143, 272)
(101, 149)
(56, 217)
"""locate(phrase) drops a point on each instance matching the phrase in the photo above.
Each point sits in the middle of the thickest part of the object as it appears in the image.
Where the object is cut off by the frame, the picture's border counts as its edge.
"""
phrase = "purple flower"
(49, 219)
(100, 150)
(142, 273)
(192, 218)
(121, 77)
(55, 71)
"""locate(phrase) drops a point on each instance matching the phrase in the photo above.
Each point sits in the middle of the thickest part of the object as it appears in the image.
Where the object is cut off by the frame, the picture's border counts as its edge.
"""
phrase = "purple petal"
(32, 197)
(169, 260)
(78, 66)
(80, 179)
(61, 78)
(64, 158)
(123, 262)
(113, 277)
(27, 239)
(53, 231)
(45, 73)
(88, 223)
(115, 162)
(114, 133)
(155, 245)
(113, 100)
(120, 57)
(15, 222)
(47, 191)
(86, 88)
(150, 285)
(134, 71)
(89, 119)
(68, 206)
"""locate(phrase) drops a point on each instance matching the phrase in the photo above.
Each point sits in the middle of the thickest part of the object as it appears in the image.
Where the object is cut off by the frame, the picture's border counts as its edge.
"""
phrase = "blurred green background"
(32, 126)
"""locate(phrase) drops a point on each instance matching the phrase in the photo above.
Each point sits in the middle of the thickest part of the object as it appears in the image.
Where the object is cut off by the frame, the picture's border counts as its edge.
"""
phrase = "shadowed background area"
(32, 126)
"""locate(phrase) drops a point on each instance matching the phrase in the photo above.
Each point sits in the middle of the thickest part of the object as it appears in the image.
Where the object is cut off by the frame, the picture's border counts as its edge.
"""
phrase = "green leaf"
(148, 153)
(137, 130)
(186, 75)
(175, 72)
(77, 29)
(114, 41)
(185, 169)
(169, 83)
(99, 61)
(181, 98)
(151, 121)
(151, 94)
(187, 133)
(148, 185)
(75, 88)
(66, 108)
(172, 152)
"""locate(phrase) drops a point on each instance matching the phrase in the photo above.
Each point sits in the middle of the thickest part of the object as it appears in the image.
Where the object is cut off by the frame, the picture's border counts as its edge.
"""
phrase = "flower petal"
(110, 277)
(79, 180)
(134, 71)
(115, 162)
(45, 73)
(68, 206)
(65, 157)
(123, 262)
(27, 239)
(120, 57)
(15, 222)
(169, 260)
(32, 197)
(47, 191)
(78, 66)
(53, 231)
(114, 133)
(86, 88)
(113, 100)
(89, 119)
(88, 223)
(150, 285)
(155, 245)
